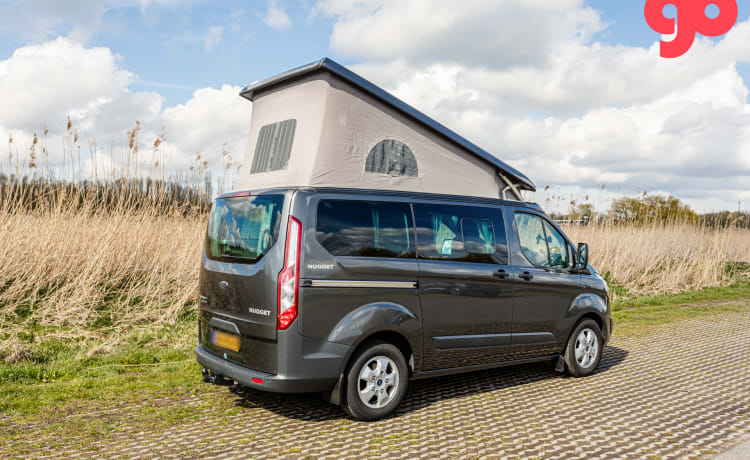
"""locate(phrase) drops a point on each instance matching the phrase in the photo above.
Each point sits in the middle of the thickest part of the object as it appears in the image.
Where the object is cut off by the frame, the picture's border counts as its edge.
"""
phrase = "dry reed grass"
(82, 275)
(72, 275)
(95, 263)
(663, 258)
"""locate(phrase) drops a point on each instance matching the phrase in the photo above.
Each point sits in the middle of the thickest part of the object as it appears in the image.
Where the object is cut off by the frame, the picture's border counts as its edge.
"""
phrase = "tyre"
(376, 382)
(584, 349)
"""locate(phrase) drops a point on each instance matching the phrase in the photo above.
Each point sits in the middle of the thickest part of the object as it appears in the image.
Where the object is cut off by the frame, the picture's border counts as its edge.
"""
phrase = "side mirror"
(582, 261)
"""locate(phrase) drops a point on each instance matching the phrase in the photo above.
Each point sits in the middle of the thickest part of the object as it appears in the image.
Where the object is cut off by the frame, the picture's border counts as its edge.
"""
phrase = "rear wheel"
(584, 349)
(376, 382)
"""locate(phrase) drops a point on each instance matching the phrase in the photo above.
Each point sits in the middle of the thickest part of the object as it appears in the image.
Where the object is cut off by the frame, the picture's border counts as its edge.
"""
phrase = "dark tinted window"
(365, 228)
(461, 233)
(274, 146)
(243, 229)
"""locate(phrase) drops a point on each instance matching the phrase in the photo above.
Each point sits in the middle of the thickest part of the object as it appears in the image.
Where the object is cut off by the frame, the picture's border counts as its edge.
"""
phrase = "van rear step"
(215, 379)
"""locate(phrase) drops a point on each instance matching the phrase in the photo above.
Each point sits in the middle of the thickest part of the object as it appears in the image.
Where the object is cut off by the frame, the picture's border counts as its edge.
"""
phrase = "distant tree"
(655, 208)
(583, 211)
(726, 219)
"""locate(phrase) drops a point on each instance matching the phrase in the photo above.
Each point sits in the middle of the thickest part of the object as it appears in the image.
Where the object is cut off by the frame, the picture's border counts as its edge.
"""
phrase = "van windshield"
(243, 229)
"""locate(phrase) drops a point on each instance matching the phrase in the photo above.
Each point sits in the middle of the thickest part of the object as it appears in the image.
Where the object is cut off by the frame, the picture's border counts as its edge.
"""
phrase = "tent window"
(393, 158)
(274, 147)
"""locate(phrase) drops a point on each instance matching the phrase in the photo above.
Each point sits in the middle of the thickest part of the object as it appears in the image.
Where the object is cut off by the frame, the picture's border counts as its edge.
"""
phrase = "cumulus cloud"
(275, 16)
(529, 81)
(57, 78)
(46, 83)
(485, 33)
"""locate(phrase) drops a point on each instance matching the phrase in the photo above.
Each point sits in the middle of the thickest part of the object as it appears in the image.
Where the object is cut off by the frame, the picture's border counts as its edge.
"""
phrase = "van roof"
(386, 193)
(250, 92)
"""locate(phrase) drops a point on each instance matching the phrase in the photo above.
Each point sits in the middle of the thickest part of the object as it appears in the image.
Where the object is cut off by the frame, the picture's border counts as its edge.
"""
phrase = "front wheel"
(376, 382)
(584, 349)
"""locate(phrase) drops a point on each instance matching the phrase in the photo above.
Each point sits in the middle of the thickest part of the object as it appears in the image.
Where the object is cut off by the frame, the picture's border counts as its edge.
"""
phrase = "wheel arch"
(588, 306)
(384, 321)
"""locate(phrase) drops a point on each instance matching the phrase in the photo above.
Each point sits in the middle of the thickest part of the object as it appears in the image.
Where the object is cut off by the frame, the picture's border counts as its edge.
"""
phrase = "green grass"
(61, 392)
(641, 315)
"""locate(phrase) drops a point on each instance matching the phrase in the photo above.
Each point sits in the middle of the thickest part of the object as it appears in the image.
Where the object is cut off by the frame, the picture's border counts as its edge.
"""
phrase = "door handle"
(526, 276)
(502, 274)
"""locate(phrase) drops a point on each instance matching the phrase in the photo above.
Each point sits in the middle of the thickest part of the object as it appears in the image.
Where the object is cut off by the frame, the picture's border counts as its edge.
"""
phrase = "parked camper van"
(368, 245)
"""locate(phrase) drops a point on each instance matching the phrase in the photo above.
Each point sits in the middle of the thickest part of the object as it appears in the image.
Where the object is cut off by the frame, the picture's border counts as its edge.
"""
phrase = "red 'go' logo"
(691, 18)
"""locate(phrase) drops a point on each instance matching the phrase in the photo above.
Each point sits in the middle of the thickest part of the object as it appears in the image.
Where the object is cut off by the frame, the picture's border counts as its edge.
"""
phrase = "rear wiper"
(230, 256)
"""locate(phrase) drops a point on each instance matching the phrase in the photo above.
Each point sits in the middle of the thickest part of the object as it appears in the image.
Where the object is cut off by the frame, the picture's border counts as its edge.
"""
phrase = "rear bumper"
(322, 380)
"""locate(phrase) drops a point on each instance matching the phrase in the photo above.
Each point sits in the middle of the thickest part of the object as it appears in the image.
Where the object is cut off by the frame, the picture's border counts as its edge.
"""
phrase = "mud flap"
(336, 395)
(560, 364)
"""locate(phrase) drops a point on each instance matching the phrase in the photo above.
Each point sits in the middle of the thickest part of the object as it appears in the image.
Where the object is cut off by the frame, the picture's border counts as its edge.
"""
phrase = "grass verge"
(641, 315)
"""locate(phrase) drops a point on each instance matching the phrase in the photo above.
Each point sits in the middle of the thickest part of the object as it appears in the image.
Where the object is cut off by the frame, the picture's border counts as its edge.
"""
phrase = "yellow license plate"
(224, 340)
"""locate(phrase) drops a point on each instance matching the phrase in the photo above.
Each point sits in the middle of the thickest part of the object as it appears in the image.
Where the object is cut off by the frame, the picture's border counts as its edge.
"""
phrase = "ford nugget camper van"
(366, 245)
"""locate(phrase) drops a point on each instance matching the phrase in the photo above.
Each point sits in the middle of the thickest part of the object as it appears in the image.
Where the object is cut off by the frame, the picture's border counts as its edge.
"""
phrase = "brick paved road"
(683, 391)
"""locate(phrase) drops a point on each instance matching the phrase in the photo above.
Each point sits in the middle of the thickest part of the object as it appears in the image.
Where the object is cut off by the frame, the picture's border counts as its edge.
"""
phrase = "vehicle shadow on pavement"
(421, 393)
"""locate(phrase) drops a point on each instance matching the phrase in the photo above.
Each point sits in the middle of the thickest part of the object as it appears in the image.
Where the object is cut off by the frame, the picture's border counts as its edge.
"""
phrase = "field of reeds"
(664, 258)
(88, 265)
(74, 272)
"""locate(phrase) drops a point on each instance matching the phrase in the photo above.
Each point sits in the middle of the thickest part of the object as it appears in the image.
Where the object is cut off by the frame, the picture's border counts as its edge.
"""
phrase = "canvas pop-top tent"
(322, 125)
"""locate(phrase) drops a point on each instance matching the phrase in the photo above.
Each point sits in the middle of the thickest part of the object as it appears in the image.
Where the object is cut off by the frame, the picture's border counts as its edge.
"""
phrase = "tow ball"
(215, 379)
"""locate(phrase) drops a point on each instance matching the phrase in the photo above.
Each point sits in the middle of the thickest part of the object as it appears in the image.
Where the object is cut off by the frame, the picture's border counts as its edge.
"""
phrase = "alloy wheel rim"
(586, 348)
(378, 382)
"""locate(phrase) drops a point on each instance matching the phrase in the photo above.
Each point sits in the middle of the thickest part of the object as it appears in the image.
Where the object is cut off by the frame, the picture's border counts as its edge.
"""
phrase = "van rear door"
(243, 254)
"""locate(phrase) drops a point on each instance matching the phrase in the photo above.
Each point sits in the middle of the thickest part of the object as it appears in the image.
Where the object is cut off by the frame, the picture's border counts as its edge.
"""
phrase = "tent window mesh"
(393, 158)
(274, 147)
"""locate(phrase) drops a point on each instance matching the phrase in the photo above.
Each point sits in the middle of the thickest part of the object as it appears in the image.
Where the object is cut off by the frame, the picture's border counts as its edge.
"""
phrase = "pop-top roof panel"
(250, 92)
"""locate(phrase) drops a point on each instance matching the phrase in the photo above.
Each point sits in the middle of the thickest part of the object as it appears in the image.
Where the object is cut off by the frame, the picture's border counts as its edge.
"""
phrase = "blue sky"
(581, 89)
(165, 45)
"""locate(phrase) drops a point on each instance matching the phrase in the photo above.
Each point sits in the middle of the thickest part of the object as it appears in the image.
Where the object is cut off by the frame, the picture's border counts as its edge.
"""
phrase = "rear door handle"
(502, 274)
(526, 276)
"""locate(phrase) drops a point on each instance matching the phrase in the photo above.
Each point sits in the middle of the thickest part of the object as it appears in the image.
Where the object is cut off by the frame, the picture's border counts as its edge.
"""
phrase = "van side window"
(366, 229)
(461, 234)
(541, 244)
(558, 247)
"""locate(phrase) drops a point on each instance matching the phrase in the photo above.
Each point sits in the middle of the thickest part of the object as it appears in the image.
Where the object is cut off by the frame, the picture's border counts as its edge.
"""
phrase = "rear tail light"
(289, 276)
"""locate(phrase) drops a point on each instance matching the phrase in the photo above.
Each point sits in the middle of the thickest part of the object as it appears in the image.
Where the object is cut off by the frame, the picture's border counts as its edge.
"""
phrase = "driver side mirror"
(582, 261)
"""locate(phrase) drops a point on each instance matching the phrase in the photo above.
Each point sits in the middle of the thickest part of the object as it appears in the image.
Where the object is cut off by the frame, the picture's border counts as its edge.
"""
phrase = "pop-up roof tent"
(322, 125)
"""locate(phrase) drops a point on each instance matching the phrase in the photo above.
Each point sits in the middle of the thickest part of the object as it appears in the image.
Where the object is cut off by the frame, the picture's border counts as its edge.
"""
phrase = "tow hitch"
(215, 379)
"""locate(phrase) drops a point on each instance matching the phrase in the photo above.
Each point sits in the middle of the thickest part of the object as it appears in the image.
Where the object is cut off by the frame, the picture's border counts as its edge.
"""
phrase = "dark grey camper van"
(354, 291)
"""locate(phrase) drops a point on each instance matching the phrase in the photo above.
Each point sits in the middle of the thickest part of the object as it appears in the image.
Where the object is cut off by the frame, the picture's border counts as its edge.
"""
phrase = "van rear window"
(243, 229)
(366, 229)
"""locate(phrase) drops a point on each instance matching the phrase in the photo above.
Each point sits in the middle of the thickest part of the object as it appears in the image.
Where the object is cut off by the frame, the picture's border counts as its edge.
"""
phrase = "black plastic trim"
(471, 341)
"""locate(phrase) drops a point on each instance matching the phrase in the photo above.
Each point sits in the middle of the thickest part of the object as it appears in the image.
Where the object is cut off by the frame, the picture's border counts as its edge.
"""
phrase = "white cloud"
(212, 37)
(484, 33)
(210, 118)
(49, 81)
(275, 16)
(43, 84)
(538, 90)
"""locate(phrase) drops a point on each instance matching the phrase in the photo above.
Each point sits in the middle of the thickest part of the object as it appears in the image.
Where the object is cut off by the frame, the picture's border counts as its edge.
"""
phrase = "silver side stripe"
(362, 284)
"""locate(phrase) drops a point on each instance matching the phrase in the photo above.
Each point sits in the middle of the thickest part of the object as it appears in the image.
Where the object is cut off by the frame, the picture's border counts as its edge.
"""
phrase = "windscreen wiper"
(230, 256)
